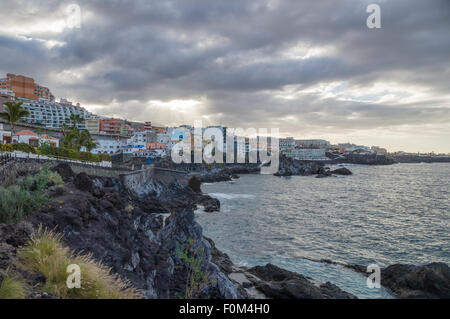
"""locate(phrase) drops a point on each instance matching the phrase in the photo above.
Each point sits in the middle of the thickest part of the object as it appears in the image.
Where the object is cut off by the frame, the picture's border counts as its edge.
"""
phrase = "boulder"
(342, 171)
(65, 171)
(279, 283)
(85, 183)
(323, 172)
(409, 281)
(195, 183)
(210, 204)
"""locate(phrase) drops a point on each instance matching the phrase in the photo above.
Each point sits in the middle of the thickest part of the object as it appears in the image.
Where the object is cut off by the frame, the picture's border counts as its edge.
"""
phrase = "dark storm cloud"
(238, 56)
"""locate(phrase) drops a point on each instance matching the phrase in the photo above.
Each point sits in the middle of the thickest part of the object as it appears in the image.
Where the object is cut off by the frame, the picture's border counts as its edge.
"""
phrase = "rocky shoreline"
(213, 173)
(140, 236)
(361, 159)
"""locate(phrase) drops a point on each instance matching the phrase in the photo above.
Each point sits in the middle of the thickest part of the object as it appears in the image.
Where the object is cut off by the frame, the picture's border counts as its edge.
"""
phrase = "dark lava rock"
(409, 281)
(364, 159)
(290, 167)
(283, 284)
(129, 234)
(342, 171)
(324, 172)
(65, 171)
(195, 183)
(216, 175)
(85, 183)
(222, 260)
(210, 204)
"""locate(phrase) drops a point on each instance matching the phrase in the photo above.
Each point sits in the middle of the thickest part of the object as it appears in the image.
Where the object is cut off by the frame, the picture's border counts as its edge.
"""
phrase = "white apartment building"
(138, 142)
(162, 138)
(107, 144)
(312, 143)
(52, 114)
(287, 144)
(307, 154)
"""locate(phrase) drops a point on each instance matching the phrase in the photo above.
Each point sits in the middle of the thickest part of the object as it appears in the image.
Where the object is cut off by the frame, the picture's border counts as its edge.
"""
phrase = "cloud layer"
(312, 69)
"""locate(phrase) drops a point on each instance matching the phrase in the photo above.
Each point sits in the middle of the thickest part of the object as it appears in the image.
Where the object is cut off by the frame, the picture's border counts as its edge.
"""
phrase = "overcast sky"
(310, 68)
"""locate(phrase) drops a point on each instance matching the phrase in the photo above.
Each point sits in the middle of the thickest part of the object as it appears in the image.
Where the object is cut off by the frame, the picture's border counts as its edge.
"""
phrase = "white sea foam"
(230, 196)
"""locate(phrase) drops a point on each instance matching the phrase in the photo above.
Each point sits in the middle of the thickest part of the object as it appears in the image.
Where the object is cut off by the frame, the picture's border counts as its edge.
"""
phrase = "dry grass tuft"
(12, 288)
(45, 253)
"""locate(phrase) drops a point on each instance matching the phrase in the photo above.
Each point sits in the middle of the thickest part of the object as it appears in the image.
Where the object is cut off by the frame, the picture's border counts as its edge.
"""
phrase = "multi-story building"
(108, 144)
(138, 138)
(307, 154)
(148, 126)
(5, 96)
(126, 130)
(25, 87)
(52, 114)
(312, 144)
(159, 130)
(287, 144)
(92, 125)
(111, 126)
(162, 138)
(136, 143)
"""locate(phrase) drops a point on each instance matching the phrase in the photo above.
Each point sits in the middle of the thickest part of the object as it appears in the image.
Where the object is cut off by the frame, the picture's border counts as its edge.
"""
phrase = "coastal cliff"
(148, 238)
(361, 159)
(226, 172)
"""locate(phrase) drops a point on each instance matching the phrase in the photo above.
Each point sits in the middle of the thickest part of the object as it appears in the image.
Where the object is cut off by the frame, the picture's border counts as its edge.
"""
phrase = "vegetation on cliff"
(19, 201)
(196, 279)
(12, 288)
(46, 254)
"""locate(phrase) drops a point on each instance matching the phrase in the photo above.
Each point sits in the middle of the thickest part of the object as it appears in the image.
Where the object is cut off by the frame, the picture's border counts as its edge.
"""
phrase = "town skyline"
(48, 94)
(330, 78)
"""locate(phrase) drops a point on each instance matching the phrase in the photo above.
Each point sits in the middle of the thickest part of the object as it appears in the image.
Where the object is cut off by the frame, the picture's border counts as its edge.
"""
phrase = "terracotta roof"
(47, 137)
(25, 132)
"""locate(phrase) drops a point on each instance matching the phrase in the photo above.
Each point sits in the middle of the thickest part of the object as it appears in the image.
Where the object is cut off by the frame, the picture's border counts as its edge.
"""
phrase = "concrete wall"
(139, 182)
(97, 171)
(167, 176)
(143, 182)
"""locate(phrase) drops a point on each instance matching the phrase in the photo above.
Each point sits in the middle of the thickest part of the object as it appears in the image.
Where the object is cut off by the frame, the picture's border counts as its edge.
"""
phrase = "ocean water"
(381, 214)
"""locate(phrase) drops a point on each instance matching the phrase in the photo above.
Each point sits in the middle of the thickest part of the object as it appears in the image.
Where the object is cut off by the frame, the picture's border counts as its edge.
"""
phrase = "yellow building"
(93, 126)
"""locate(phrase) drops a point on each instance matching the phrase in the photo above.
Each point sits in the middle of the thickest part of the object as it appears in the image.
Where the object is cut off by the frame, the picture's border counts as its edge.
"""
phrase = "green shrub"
(12, 288)
(196, 279)
(104, 157)
(42, 180)
(6, 148)
(19, 201)
(46, 254)
(23, 147)
(68, 153)
(15, 204)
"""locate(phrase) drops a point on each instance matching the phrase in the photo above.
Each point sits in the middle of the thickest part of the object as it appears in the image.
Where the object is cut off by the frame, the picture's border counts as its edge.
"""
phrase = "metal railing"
(5, 158)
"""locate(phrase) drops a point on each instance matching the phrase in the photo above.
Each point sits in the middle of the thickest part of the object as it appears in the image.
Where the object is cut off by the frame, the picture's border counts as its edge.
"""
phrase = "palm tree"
(69, 136)
(82, 138)
(75, 119)
(90, 144)
(13, 113)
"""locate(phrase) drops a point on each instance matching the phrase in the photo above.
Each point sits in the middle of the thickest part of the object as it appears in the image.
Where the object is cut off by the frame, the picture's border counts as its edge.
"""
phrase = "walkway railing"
(5, 158)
